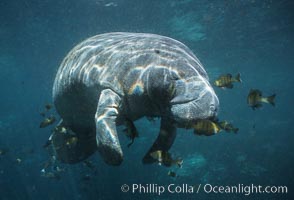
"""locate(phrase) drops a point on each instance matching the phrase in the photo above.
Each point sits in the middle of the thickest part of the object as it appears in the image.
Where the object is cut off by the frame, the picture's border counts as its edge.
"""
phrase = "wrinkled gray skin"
(116, 76)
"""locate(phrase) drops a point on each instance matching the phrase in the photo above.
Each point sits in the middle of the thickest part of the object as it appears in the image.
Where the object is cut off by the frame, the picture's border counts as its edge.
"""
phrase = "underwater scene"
(146, 99)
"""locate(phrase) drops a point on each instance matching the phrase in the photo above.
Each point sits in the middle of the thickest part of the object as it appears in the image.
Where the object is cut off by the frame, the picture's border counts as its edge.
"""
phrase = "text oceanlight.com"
(206, 188)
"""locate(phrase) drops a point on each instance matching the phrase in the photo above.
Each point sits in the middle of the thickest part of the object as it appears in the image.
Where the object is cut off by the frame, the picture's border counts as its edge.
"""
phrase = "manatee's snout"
(213, 106)
(202, 103)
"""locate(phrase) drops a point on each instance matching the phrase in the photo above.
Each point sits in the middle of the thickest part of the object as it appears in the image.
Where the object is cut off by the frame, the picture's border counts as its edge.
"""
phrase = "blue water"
(252, 37)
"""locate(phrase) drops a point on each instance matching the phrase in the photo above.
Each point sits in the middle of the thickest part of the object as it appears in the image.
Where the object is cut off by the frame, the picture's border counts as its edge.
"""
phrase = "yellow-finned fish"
(72, 141)
(60, 129)
(226, 80)
(228, 127)
(47, 121)
(255, 99)
(164, 157)
(206, 127)
(48, 106)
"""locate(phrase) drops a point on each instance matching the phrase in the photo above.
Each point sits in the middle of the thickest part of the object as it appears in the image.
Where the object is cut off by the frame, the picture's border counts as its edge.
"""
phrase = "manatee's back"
(104, 61)
(112, 51)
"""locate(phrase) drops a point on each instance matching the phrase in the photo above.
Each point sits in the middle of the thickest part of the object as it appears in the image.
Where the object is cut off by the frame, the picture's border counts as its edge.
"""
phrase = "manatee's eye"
(212, 107)
(157, 51)
(174, 76)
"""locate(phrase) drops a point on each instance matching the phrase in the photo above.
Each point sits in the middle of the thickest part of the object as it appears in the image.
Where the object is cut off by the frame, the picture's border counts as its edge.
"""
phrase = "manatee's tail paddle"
(271, 99)
(238, 78)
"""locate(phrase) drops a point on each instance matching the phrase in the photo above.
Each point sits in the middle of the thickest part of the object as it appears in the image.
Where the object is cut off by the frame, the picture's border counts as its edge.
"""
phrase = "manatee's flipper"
(164, 140)
(106, 135)
(69, 147)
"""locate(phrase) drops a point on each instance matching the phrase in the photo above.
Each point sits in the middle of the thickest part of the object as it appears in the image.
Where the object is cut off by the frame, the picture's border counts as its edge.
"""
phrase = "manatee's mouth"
(173, 102)
(181, 100)
(187, 114)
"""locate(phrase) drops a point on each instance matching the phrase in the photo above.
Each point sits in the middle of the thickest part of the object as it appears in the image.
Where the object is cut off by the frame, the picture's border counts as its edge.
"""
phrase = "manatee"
(113, 77)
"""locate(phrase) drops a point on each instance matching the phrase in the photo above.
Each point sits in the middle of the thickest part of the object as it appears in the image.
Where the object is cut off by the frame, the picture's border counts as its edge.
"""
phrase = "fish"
(130, 131)
(228, 127)
(227, 80)
(60, 129)
(18, 160)
(255, 99)
(172, 174)
(51, 175)
(206, 127)
(59, 169)
(48, 106)
(72, 141)
(47, 121)
(164, 157)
